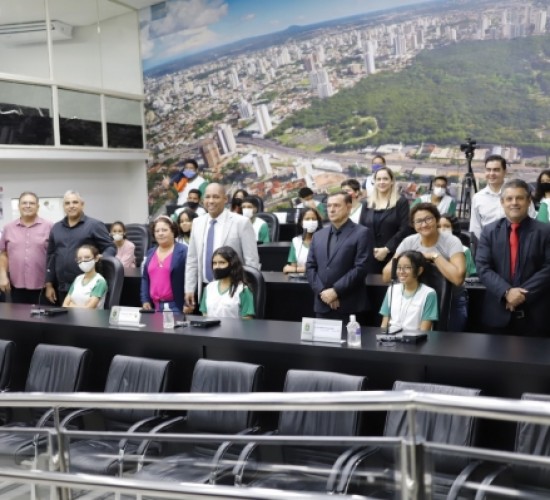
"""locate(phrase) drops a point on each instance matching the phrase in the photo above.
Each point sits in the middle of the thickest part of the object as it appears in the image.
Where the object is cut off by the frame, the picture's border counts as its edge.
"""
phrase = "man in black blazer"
(337, 263)
(516, 300)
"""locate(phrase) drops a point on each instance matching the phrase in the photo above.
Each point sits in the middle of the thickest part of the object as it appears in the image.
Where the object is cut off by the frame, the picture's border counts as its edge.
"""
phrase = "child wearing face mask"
(228, 296)
(439, 197)
(250, 207)
(125, 249)
(309, 221)
(89, 289)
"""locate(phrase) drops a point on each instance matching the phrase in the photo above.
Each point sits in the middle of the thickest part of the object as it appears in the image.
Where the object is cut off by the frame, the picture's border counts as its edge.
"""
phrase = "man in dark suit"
(337, 263)
(513, 262)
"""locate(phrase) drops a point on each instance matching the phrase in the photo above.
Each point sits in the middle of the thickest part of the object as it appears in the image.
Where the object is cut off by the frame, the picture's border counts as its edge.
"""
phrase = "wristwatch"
(434, 256)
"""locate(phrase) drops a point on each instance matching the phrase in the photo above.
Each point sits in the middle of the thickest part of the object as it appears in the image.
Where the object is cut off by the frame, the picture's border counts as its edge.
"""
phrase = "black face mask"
(193, 205)
(545, 187)
(221, 272)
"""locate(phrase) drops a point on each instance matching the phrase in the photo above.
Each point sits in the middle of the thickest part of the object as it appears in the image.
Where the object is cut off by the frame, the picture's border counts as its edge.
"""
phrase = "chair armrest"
(238, 470)
(77, 414)
(353, 461)
(473, 468)
(491, 478)
(216, 470)
(336, 470)
(144, 447)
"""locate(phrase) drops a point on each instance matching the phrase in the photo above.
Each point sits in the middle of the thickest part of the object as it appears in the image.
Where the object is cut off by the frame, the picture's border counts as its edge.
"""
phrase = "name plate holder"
(321, 330)
(125, 316)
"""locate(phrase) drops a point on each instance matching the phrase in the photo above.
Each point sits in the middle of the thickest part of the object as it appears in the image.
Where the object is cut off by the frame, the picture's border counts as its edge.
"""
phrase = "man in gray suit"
(219, 227)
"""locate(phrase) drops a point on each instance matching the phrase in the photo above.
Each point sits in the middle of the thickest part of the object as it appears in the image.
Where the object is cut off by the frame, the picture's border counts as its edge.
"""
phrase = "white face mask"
(87, 266)
(439, 191)
(445, 230)
(248, 212)
(310, 226)
(117, 236)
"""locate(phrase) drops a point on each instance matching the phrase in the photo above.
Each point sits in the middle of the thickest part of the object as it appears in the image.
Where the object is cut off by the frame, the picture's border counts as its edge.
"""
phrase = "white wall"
(111, 190)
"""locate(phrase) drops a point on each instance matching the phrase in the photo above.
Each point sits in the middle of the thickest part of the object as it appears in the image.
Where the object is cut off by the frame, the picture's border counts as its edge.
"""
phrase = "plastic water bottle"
(167, 317)
(354, 332)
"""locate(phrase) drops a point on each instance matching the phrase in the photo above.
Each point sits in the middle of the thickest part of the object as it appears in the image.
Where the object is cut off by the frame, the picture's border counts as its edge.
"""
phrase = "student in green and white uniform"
(353, 188)
(228, 296)
(449, 224)
(542, 196)
(250, 207)
(310, 220)
(89, 289)
(439, 197)
(409, 304)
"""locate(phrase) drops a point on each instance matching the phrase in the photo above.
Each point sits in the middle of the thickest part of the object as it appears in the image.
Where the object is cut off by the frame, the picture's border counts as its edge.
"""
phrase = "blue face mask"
(189, 173)
(376, 167)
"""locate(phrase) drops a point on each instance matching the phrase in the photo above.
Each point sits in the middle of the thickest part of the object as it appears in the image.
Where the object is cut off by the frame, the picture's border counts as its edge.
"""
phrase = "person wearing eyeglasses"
(444, 251)
(410, 304)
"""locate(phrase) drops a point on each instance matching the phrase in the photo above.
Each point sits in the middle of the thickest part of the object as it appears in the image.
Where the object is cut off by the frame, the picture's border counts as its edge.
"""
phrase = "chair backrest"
(113, 271)
(320, 423)
(272, 223)
(465, 238)
(436, 427)
(134, 374)
(257, 285)
(7, 353)
(533, 439)
(57, 368)
(433, 278)
(211, 376)
(140, 236)
(260, 202)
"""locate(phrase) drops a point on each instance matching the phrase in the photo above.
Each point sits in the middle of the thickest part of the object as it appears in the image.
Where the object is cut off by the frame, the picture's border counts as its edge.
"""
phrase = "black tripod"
(469, 186)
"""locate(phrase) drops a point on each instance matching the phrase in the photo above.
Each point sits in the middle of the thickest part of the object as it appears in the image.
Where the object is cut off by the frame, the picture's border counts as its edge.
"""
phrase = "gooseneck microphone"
(393, 281)
(38, 310)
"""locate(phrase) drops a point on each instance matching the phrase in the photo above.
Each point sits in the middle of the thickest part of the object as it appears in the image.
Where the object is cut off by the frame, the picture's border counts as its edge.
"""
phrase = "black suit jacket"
(533, 272)
(345, 270)
(392, 229)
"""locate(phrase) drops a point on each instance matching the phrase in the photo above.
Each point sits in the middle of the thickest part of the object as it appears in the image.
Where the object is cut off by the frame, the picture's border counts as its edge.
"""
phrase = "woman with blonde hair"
(387, 216)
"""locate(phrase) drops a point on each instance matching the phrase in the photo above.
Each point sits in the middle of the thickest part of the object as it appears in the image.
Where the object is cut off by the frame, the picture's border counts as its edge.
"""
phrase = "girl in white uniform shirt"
(310, 220)
(89, 289)
(409, 304)
(228, 296)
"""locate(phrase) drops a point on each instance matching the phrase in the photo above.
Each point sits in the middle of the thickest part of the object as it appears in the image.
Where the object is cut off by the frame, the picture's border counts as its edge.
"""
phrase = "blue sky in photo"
(189, 26)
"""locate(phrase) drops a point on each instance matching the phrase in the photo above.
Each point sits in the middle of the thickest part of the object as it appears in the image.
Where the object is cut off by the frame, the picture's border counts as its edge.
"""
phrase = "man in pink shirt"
(23, 252)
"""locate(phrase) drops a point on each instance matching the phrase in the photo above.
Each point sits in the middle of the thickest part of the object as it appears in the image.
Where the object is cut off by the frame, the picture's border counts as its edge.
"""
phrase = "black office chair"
(272, 223)
(303, 468)
(531, 481)
(140, 236)
(7, 354)
(207, 462)
(377, 464)
(433, 278)
(260, 202)
(257, 285)
(107, 456)
(113, 272)
(53, 368)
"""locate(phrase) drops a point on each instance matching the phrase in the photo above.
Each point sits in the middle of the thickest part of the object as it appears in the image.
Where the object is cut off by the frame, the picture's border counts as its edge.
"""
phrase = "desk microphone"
(42, 311)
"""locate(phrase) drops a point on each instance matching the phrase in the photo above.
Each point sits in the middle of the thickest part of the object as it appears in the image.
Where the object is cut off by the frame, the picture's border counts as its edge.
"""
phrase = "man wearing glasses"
(445, 251)
(23, 252)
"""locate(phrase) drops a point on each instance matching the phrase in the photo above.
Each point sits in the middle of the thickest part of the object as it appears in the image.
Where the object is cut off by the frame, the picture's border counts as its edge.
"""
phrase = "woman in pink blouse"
(124, 248)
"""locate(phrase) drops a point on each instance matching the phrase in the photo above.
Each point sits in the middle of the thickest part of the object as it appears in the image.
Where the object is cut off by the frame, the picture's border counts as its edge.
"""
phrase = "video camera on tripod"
(469, 180)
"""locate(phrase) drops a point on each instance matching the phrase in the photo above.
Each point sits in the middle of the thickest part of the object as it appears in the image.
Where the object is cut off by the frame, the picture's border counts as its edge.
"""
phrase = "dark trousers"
(334, 314)
(521, 324)
(26, 296)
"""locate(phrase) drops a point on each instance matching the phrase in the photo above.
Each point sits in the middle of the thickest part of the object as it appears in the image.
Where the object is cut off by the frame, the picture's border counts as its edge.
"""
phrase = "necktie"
(209, 251)
(514, 248)
(332, 243)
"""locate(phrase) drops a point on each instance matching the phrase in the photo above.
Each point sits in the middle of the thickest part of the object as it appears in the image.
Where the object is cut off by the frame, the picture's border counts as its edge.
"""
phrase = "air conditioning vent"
(34, 32)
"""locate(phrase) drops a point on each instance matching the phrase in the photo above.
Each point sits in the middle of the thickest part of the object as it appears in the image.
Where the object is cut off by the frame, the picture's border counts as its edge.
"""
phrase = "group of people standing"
(197, 263)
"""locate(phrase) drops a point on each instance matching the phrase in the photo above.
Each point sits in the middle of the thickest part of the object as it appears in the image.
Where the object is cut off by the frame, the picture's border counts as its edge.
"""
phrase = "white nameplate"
(125, 316)
(321, 330)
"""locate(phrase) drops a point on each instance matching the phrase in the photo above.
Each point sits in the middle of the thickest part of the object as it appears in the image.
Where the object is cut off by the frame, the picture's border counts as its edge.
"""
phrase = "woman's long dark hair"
(539, 193)
(237, 272)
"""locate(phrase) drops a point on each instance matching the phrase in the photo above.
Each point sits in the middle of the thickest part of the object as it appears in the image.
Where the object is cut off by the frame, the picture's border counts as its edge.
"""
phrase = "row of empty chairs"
(371, 470)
